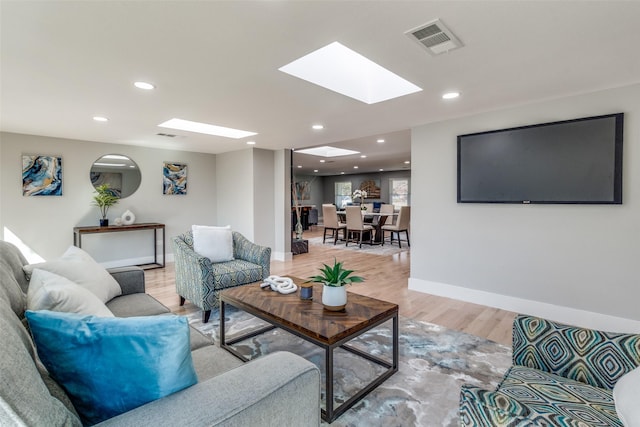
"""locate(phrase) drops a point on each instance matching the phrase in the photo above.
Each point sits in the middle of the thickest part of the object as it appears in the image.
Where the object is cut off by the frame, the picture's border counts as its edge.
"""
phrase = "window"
(399, 190)
(343, 193)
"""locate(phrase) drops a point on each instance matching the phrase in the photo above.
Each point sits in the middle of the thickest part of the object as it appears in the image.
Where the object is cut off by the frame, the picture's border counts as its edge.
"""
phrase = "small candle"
(306, 291)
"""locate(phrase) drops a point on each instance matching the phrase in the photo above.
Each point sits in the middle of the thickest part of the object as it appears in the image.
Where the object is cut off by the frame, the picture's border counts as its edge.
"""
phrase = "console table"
(78, 232)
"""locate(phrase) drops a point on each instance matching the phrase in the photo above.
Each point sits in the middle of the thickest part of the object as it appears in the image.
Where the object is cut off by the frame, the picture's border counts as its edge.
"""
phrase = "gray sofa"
(280, 389)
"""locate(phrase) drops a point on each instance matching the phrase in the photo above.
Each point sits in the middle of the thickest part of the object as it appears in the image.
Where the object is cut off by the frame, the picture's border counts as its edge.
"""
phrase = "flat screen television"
(573, 161)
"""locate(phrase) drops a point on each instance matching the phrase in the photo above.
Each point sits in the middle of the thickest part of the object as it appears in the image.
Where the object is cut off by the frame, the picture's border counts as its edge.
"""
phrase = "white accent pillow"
(215, 243)
(78, 266)
(48, 291)
(626, 393)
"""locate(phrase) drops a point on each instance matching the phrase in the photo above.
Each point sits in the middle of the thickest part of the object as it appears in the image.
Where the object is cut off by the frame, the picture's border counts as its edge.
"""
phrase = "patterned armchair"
(561, 376)
(199, 280)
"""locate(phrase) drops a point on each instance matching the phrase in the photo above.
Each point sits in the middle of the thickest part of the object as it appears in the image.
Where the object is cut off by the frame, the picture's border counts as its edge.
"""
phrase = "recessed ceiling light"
(450, 95)
(317, 127)
(299, 166)
(327, 151)
(406, 162)
(341, 173)
(380, 141)
(355, 167)
(364, 156)
(144, 85)
(251, 143)
(380, 169)
(205, 128)
(315, 170)
(340, 69)
(100, 119)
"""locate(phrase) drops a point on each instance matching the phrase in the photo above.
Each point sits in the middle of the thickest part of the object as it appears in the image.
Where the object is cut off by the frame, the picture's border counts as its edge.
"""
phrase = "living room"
(571, 263)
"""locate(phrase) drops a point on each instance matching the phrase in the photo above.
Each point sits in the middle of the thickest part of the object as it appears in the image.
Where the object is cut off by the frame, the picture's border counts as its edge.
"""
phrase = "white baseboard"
(135, 261)
(281, 256)
(558, 313)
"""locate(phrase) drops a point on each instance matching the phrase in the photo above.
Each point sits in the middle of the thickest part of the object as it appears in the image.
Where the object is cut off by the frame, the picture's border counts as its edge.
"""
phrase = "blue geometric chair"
(561, 376)
(200, 281)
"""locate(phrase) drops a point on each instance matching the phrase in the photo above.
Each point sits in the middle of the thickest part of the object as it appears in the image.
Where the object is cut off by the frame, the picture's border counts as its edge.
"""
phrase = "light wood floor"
(386, 279)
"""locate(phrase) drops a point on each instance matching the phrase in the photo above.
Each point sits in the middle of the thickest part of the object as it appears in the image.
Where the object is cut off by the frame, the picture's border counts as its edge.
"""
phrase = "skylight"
(205, 128)
(327, 151)
(340, 69)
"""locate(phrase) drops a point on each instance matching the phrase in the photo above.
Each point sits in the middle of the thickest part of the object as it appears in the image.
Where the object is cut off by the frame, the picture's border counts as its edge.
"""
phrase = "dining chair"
(368, 219)
(356, 225)
(402, 224)
(330, 218)
(388, 209)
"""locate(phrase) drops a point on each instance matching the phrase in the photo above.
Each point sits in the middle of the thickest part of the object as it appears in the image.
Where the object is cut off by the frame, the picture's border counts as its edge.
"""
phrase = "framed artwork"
(174, 178)
(41, 176)
(302, 190)
(372, 187)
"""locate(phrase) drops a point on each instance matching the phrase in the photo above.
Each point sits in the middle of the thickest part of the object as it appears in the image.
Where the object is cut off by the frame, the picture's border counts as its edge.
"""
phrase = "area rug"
(434, 362)
(387, 249)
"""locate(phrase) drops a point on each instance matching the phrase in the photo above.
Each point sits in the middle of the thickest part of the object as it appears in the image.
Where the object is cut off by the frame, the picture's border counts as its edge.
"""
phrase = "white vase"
(128, 217)
(334, 298)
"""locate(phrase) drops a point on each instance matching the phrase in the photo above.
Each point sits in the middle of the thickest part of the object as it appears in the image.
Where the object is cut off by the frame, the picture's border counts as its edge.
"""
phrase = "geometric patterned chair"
(561, 376)
(200, 281)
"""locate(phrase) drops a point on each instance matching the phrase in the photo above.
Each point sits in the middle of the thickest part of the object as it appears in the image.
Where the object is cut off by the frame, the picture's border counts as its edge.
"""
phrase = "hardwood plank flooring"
(386, 279)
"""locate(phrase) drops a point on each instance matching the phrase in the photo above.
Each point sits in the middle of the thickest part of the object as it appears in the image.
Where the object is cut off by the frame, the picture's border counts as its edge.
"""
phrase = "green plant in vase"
(104, 199)
(334, 279)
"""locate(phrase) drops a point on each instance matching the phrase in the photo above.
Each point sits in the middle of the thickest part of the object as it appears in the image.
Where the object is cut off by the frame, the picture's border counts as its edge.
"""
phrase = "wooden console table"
(79, 231)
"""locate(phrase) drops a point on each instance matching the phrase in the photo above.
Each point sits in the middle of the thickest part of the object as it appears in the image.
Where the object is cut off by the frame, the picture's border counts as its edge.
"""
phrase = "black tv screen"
(572, 161)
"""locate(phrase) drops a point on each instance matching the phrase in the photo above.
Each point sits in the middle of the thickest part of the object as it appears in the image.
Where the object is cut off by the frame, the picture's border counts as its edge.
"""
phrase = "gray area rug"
(387, 249)
(434, 363)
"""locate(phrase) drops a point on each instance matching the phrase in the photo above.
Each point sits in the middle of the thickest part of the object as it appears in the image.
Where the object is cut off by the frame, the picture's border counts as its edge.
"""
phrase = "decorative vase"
(128, 217)
(334, 298)
(104, 222)
(299, 230)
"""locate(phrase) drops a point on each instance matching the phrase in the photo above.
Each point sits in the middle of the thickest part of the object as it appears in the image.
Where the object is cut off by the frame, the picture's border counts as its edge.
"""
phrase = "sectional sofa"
(280, 389)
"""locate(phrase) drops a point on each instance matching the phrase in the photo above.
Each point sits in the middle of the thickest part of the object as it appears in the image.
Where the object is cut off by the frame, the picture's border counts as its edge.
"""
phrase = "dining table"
(379, 219)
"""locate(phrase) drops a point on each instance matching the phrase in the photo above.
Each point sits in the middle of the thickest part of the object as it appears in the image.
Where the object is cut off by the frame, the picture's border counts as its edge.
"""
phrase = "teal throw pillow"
(112, 365)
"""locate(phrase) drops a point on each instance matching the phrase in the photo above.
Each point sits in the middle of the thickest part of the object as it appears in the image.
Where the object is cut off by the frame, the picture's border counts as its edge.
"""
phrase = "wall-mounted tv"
(573, 161)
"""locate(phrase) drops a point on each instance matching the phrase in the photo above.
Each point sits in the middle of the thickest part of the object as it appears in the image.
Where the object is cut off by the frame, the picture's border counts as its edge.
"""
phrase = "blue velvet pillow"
(111, 365)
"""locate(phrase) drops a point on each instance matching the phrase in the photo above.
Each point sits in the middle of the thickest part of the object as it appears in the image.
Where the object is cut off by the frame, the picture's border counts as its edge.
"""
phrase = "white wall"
(234, 184)
(575, 263)
(264, 206)
(247, 194)
(45, 223)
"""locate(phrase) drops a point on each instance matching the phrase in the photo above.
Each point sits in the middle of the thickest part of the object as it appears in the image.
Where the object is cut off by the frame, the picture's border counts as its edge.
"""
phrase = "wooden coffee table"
(308, 320)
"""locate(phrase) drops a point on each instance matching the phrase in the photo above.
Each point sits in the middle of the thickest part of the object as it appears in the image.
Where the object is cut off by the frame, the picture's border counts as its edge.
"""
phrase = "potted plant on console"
(104, 199)
(334, 280)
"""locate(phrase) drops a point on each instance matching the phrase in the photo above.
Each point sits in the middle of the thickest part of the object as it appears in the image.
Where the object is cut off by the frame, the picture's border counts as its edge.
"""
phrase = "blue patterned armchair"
(561, 376)
(200, 281)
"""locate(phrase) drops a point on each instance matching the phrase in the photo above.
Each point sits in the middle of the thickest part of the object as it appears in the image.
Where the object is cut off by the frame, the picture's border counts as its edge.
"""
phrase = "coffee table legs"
(330, 413)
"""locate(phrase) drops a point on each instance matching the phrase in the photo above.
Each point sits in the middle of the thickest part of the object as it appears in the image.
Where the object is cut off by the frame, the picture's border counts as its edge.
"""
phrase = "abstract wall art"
(372, 187)
(174, 179)
(302, 190)
(41, 176)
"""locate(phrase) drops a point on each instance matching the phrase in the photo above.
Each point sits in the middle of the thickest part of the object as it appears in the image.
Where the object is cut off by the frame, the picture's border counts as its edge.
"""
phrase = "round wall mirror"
(120, 172)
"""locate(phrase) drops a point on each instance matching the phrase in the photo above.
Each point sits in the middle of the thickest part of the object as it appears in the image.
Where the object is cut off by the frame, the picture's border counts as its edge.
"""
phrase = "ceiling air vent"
(168, 135)
(434, 37)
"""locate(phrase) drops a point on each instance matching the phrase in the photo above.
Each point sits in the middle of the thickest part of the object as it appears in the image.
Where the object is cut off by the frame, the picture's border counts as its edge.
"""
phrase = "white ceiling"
(63, 62)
